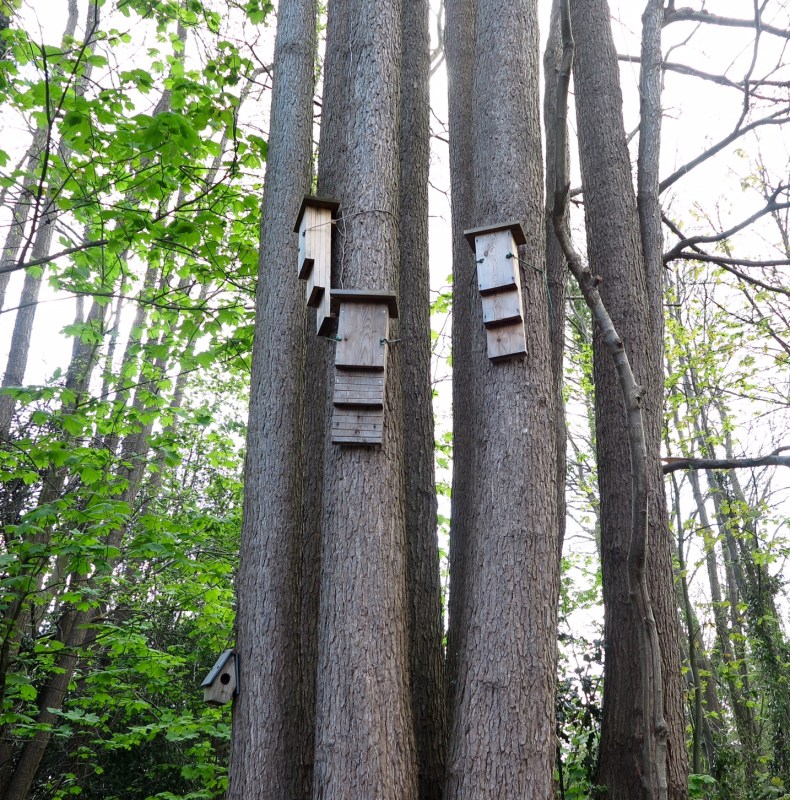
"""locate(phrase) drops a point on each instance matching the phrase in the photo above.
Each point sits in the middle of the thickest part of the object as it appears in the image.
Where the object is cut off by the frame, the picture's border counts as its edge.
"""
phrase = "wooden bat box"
(314, 226)
(499, 284)
(361, 365)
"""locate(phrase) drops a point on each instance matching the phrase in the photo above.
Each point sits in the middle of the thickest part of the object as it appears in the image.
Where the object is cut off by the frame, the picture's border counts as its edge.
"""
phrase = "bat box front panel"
(497, 262)
(361, 327)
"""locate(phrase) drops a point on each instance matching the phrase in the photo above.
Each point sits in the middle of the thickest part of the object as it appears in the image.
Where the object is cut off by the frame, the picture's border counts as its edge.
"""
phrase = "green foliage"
(120, 485)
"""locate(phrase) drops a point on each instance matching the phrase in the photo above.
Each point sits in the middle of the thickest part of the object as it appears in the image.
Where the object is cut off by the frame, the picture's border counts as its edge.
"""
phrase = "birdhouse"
(314, 226)
(361, 364)
(499, 284)
(222, 682)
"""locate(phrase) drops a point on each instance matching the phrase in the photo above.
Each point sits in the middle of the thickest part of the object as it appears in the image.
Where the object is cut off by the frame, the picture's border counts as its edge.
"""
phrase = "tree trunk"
(429, 709)
(267, 720)
(615, 253)
(460, 54)
(20, 212)
(556, 266)
(364, 733)
(502, 742)
(44, 220)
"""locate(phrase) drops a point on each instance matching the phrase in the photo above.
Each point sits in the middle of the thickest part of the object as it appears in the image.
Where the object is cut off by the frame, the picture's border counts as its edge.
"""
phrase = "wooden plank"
(506, 341)
(515, 228)
(360, 329)
(323, 319)
(343, 296)
(312, 201)
(304, 260)
(357, 426)
(496, 265)
(501, 308)
(359, 388)
(315, 253)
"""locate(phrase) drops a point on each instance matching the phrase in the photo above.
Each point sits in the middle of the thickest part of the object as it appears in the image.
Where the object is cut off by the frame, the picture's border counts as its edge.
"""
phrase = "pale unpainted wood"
(506, 341)
(496, 264)
(501, 308)
(361, 328)
(315, 252)
(323, 315)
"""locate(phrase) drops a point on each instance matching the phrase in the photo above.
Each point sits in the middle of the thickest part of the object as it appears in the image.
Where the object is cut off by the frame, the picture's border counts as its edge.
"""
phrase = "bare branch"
(772, 460)
(779, 118)
(692, 15)
(721, 80)
(730, 264)
(770, 207)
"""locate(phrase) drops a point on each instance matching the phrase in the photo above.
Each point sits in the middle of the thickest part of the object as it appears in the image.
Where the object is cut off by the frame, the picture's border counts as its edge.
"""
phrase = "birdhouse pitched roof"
(217, 668)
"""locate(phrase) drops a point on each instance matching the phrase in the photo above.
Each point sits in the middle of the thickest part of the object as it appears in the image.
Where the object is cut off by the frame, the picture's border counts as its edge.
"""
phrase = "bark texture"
(615, 253)
(556, 266)
(460, 54)
(268, 727)
(364, 733)
(429, 709)
(502, 740)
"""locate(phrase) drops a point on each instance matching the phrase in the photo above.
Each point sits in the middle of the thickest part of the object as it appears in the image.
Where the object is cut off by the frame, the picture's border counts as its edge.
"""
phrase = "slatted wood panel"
(360, 365)
(355, 388)
(360, 329)
(357, 425)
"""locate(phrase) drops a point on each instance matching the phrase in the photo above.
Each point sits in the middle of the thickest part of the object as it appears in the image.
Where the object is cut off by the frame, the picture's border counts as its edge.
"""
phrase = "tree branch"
(771, 460)
(722, 80)
(729, 264)
(654, 725)
(692, 15)
(779, 118)
(770, 206)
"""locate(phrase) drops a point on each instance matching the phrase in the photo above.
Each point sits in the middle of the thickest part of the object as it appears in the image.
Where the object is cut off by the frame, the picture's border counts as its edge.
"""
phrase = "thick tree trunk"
(460, 54)
(429, 709)
(364, 733)
(615, 253)
(268, 727)
(556, 266)
(502, 741)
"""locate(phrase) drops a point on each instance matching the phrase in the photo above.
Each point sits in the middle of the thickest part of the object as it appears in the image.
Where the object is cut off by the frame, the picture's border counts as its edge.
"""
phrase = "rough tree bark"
(556, 266)
(504, 534)
(429, 709)
(268, 728)
(616, 254)
(460, 54)
(364, 734)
